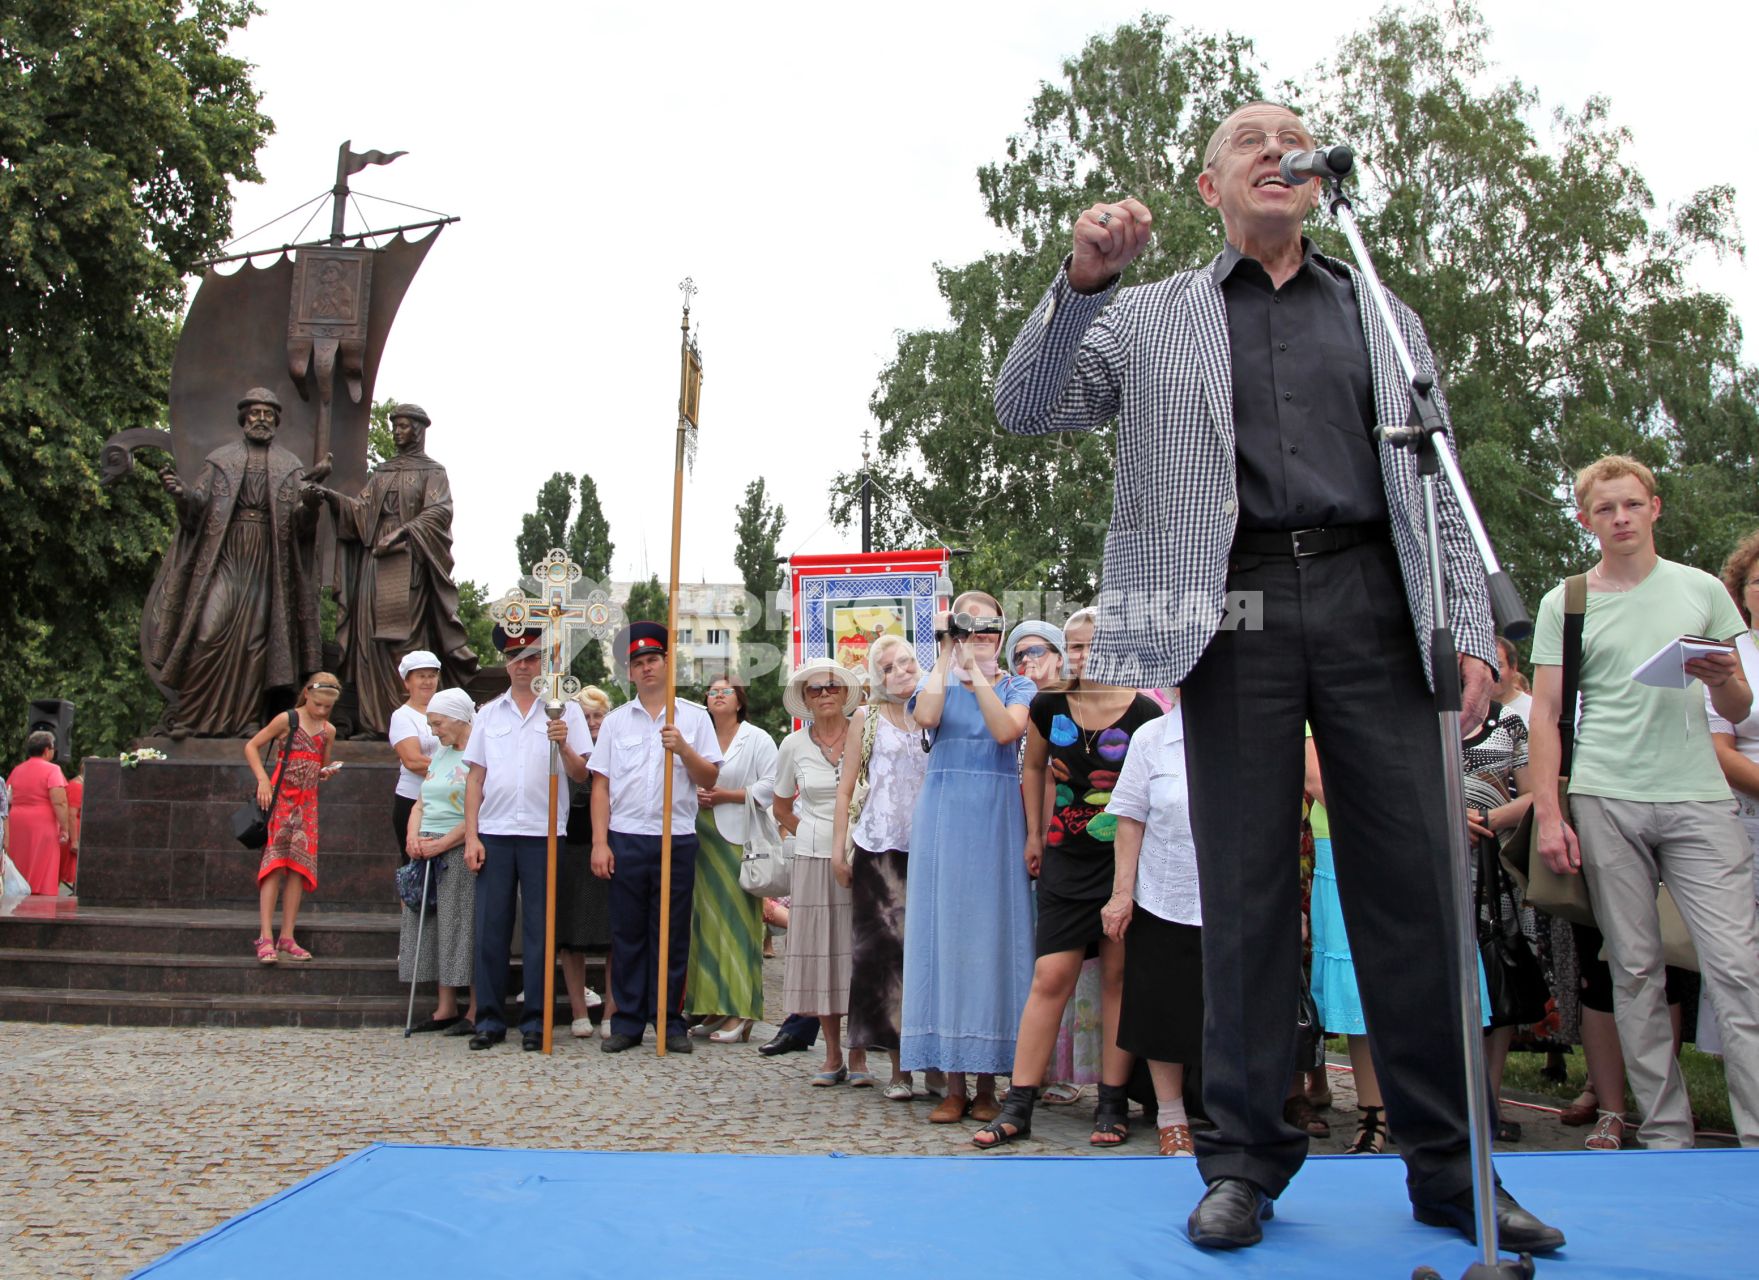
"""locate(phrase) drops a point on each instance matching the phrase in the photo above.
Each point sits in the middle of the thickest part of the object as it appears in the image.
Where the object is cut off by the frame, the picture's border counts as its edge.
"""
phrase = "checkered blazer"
(1156, 357)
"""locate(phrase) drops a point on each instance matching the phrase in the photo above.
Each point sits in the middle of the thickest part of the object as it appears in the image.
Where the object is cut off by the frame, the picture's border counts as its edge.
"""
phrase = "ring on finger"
(1105, 218)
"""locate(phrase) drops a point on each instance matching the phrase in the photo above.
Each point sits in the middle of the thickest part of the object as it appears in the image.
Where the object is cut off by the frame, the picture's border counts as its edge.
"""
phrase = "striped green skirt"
(726, 932)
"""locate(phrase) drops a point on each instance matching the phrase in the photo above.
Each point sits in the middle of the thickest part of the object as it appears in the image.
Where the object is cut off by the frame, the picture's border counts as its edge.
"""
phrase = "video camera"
(960, 625)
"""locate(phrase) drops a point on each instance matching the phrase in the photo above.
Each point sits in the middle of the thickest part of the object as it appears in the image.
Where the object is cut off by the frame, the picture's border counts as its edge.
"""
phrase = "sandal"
(1608, 1135)
(826, 1079)
(291, 949)
(951, 1109)
(899, 1091)
(1015, 1113)
(861, 1079)
(1508, 1130)
(1175, 1140)
(1370, 1134)
(1060, 1095)
(266, 951)
(1584, 1110)
(1300, 1113)
(1111, 1117)
(1320, 1097)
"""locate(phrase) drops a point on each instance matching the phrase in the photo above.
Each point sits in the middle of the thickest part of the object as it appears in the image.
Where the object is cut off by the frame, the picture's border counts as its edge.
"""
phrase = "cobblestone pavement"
(121, 1143)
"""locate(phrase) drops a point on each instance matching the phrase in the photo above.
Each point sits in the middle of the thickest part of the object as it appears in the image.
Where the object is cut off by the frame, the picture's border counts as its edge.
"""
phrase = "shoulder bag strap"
(1575, 614)
(281, 759)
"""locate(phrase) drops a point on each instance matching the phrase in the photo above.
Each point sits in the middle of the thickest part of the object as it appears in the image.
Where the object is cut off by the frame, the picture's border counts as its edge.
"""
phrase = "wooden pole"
(661, 1005)
(553, 709)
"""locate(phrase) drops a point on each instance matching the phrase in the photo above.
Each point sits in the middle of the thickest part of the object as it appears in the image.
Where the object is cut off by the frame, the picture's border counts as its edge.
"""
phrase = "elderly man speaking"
(1266, 554)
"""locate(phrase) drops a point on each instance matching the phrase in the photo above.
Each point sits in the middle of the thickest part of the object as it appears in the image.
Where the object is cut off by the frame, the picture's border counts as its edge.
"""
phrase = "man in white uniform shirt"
(627, 785)
(506, 832)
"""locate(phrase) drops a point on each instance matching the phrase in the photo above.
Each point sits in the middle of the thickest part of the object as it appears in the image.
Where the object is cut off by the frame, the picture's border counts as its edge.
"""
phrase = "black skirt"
(1066, 924)
(1161, 1016)
(583, 901)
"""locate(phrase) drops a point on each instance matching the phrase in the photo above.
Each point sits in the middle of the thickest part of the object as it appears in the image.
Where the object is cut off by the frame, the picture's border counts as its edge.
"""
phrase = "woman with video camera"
(968, 950)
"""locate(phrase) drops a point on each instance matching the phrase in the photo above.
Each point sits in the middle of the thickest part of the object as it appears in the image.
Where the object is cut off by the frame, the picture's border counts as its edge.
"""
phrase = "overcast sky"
(807, 165)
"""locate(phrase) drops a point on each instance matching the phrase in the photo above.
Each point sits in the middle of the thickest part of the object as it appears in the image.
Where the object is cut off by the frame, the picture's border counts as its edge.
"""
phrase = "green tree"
(122, 125)
(762, 648)
(1557, 303)
(380, 444)
(546, 526)
(473, 612)
(1128, 115)
(648, 602)
(590, 547)
(1556, 300)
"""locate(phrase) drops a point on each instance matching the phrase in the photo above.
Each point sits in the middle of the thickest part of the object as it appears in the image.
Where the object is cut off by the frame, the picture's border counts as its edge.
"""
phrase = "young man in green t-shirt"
(1647, 799)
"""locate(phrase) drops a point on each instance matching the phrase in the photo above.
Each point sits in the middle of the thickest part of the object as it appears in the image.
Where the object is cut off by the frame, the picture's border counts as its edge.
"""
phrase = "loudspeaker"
(56, 716)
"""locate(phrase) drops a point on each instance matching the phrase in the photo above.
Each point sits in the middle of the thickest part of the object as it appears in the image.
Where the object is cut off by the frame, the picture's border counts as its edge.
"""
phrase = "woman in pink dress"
(289, 869)
(40, 820)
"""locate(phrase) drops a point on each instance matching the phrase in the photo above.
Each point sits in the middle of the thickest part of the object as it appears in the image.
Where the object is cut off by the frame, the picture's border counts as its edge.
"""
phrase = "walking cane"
(421, 916)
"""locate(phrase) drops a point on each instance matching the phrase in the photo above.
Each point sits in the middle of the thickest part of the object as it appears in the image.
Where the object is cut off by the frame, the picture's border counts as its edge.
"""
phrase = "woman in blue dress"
(968, 947)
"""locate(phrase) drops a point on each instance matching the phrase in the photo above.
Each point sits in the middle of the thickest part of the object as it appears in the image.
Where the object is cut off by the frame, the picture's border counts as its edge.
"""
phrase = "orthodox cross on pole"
(689, 407)
(568, 617)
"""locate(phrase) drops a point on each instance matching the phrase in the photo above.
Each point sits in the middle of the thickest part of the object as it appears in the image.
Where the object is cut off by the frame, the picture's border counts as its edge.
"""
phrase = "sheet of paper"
(1667, 669)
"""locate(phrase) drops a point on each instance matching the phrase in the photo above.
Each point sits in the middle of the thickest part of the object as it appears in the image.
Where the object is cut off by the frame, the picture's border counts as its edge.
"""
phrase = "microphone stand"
(1424, 439)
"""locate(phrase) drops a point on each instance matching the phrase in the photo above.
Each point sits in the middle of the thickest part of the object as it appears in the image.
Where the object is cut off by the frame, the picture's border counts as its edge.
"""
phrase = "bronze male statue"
(397, 592)
(234, 614)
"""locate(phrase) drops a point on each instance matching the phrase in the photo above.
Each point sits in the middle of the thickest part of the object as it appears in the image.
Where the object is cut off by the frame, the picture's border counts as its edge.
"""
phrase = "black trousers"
(1338, 650)
(512, 865)
(635, 931)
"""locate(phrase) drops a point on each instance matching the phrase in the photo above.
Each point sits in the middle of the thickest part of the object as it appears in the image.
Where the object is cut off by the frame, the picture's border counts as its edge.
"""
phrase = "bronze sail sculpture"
(307, 330)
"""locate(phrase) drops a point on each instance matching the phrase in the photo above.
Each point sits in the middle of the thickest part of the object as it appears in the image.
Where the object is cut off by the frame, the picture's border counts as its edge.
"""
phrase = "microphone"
(1326, 162)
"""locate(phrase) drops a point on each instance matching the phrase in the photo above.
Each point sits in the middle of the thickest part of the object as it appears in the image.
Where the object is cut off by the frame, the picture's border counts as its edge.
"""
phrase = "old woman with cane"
(441, 882)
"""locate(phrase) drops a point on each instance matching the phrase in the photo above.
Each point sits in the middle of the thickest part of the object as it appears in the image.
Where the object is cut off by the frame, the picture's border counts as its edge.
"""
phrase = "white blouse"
(407, 722)
(750, 766)
(1151, 789)
(806, 777)
(895, 775)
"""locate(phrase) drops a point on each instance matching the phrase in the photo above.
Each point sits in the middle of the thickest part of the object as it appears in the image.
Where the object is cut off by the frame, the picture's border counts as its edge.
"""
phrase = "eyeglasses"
(1246, 141)
(819, 690)
(1030, 654)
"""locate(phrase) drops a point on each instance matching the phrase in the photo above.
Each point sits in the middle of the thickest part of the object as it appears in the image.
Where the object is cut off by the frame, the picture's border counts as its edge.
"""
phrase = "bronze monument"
(232, 620)
(234, 614)
(396, 591)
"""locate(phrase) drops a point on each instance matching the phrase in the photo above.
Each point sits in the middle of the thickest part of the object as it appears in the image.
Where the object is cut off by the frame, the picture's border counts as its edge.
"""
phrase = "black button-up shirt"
(1304, 412)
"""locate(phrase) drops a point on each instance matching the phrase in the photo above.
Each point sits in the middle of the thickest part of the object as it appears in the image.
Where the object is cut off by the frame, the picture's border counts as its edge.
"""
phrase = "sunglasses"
(720, 693)
(1030, 654)
(819, 690)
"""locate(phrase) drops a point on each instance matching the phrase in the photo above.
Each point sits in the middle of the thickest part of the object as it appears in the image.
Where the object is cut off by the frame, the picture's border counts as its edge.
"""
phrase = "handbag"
(1309, 1035)
(250, 824)
(1566, 896)
(767, 870)
(12, 881)
(409, 883)
(858, 799)
(1513, 975)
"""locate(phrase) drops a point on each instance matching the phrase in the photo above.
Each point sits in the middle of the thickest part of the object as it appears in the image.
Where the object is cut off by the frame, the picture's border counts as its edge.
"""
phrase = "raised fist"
(1107, 239)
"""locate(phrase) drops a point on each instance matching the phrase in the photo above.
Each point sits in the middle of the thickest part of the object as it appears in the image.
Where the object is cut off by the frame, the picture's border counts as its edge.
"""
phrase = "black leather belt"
(1299, 543)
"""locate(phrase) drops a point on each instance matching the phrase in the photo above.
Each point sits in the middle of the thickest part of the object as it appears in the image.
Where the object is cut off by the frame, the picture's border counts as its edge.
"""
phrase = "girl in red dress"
(289, 869)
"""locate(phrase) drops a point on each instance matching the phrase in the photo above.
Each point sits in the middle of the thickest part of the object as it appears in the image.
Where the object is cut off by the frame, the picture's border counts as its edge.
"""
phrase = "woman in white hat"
(436, 831)
(412, 740)
(808, 766)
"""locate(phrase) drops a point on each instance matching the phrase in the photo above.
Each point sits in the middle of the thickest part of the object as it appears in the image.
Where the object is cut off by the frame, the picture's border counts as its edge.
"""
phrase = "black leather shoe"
(1516, 1230)
(783, 1043)
(1229, 1215)
(679, 1044)
(487, 1039)
(617, 1042)
(532, 1041)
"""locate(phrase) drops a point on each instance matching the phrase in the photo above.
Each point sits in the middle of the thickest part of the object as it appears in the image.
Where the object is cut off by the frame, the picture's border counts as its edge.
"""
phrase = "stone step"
(190, 1009)
(64, 923)
(137, 972)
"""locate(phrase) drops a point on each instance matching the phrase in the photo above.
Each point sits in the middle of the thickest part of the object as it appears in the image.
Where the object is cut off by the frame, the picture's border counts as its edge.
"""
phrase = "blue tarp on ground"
(438, 1212)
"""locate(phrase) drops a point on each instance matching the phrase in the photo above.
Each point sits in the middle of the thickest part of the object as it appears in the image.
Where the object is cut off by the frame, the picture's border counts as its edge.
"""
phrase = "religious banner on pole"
(841, 604)
(689, 406)
(569, 612)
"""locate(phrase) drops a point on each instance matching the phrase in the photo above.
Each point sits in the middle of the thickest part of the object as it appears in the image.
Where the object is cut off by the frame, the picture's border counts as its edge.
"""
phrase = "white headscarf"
(454, 703)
